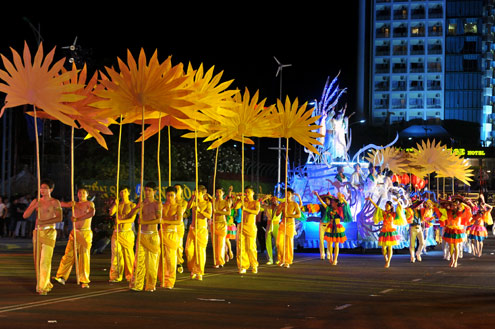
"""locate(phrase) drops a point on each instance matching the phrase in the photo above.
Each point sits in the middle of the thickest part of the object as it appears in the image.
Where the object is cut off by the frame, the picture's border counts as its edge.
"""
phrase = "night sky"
(241, 40)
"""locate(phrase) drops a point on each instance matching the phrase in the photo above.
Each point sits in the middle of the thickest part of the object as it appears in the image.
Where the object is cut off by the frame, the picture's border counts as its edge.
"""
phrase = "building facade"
(430, 59)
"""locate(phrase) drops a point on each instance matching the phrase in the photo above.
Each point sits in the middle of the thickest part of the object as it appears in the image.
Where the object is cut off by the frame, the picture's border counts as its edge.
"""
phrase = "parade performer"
(388, 236)
(414, 219)
(272, 225)
(84, 210)
(171, 220)
(49, 213)
(222, 210)
(181, 228)
(246, 241)
(148, 250)
(357, 180)
(287, 229)
(122, 242)
(428, 216)
(477, 232)
(459, 214)
(334, 233)
(197, 237)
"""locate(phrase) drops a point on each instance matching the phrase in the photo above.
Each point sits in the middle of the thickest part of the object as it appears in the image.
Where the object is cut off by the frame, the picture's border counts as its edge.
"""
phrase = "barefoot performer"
(171, 220)
(84, 210)
(287, 229)
(181, 228)
(122, 239)
(222, 210)
(197, 237)
(49, 212)
(247, 255)
(149, 244)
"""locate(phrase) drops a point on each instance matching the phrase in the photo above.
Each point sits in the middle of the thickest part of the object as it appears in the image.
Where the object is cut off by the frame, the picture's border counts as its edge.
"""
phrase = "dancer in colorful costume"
(84, 211)
(287, 229)
(122, 259)
(477, 231)
(388, 236)
(335, 212)
(454, 234)
(197, 237)
(171, 220)
(50, 213)
(148, 250)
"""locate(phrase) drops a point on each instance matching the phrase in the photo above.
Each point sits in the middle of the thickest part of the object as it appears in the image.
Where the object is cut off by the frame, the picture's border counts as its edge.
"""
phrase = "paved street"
(358, 293)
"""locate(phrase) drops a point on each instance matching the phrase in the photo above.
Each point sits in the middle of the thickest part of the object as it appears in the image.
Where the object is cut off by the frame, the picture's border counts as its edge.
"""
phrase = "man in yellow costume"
(222, 210)
(181, 227)
(122, 260)
(148, 249)
(197, 237)
(287, 229)
(45, 235)
(171, 220)
(247, 255)
(84, 210)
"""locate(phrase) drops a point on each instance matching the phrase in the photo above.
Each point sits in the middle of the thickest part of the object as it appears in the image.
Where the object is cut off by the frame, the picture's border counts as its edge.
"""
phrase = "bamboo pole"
(196, 251)
(213, 211)
(240, 238)
(117, 199)
(76, 261)
(169, 158)
(286, 199)
(138, 240)
(162, 256)
(38, 213)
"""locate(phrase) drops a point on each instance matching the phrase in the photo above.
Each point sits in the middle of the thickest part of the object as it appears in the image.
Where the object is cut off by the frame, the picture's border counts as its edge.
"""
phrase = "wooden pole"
(169, 158)
(76, 262)
(240, 238)
(117, 199)
(196, 251)
(38, 213)
(286, 199)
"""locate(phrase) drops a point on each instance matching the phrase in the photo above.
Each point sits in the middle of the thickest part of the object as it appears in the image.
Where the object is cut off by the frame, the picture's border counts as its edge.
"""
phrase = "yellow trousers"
(246, 241)
(167, 267)
(415, 231)
(220, 234)
(272, 232)
(147, 261)
(83, 245)
(180, 248)
(47, 239)
(122, 255)
(196, 258)
(285, 242)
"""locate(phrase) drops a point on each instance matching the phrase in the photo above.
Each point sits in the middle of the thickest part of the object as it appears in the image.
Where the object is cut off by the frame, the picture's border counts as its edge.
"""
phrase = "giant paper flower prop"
(247, 118)
(430, 157)
(152, 86)
(39, 83)
(458, 168)
(296, 122)
(87, 116)
(389, 157)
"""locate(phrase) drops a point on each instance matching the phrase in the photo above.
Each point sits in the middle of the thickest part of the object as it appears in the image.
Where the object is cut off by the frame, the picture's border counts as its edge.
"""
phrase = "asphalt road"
(357, 293)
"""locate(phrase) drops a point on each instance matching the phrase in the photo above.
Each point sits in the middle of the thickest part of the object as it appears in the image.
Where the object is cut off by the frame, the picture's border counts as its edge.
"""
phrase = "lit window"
(452, 28)
(470, 28)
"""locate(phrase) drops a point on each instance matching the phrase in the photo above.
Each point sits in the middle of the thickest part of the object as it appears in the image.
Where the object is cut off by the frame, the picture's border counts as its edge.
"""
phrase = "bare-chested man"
(84, 210)
(171, 220)
(248, 255)
(148, 251)
(197, 237)
(122, 260)
(287, 229)
(45, 235)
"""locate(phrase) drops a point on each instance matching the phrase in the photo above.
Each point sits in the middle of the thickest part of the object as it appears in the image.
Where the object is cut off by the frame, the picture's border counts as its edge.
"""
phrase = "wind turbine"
(72, 49)
(279, 71)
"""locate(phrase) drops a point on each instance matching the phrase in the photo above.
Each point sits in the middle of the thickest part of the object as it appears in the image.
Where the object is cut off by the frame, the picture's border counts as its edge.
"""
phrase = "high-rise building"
(429, 59)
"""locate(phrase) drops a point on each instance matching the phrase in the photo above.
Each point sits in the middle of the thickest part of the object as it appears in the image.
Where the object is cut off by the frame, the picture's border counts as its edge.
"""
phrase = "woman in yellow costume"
(181, 227)
(222, 210)
(287, 229)
(388, 236)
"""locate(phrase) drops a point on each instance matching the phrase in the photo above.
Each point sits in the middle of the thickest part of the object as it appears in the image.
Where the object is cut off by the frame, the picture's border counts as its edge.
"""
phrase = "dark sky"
(241, 39)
